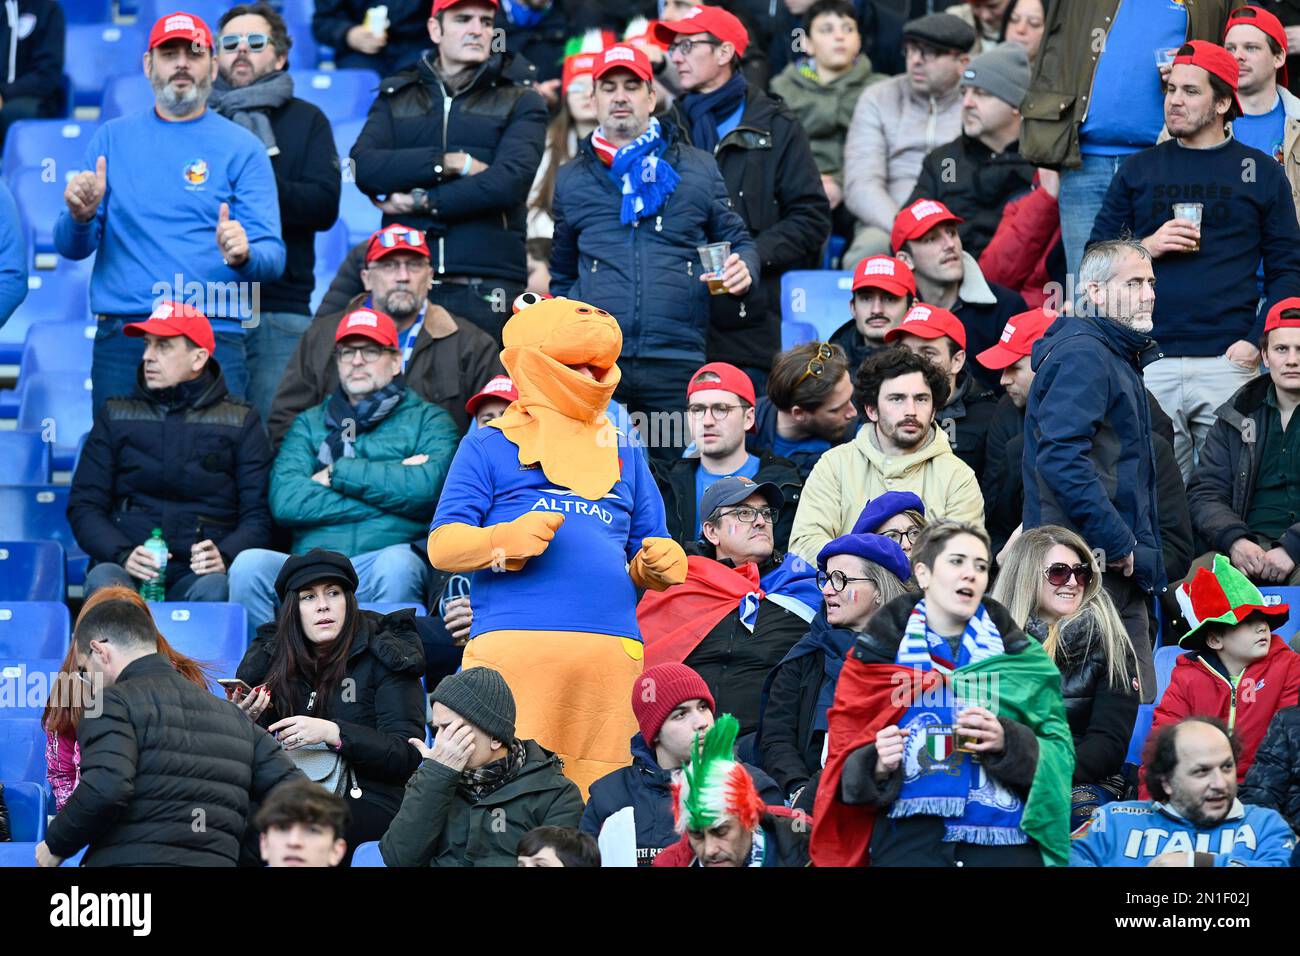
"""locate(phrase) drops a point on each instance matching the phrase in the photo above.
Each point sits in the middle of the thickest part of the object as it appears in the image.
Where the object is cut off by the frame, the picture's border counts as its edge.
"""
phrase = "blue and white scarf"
(938, 780)
(640, 172)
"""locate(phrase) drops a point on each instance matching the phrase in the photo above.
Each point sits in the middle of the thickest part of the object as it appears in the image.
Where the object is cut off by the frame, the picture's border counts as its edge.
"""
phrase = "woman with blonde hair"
(68, 696)
(1051, 584)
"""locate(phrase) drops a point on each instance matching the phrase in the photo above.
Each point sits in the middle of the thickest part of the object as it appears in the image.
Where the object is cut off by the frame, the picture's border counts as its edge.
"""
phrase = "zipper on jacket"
(1232, 691)
(659, 223)
(932, 125)
(446, 119)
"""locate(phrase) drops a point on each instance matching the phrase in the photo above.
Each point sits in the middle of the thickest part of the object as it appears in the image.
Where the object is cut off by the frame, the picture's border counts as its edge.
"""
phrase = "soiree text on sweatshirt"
(580, 582)
(1207, 300)
(156, 229)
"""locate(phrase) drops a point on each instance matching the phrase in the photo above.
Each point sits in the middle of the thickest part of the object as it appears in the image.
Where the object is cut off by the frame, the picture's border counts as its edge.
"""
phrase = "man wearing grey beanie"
(981, 170)
(479, 788)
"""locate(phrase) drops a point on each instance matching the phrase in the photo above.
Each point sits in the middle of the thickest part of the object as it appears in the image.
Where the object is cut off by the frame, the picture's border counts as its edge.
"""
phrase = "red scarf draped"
(674, 621)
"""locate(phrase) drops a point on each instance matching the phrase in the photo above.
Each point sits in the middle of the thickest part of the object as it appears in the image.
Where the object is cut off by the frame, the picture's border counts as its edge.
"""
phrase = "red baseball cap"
(884, 272)
(1265, 21)
(624, 56)
(175, 318)
(730, 379)
(916, 220)
(370, 323)
(441, 5)
(180, 26)
(723, 25)
(396, 238)
(1213, 59)
(580, 64)
(929, 322)
(1275, 319)
(500, 387)
(1018, 338)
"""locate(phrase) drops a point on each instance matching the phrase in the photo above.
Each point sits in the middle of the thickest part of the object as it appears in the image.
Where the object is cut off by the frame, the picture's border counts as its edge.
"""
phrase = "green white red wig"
(713, 786)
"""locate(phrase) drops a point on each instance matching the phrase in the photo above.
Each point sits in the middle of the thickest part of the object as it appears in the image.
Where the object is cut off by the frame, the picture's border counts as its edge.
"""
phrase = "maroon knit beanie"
(660, 689)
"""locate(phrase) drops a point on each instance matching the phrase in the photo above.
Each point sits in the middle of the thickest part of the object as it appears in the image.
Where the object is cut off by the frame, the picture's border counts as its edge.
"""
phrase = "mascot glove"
(659, 564)
(514, 542)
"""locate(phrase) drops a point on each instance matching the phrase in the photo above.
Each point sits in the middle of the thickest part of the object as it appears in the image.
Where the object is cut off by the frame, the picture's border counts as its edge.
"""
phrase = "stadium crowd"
(572, 529)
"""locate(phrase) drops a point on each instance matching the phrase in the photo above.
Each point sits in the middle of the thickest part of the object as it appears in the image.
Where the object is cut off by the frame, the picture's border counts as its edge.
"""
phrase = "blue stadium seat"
(796, 333)
(26, 803)
(355, 208)
(819, 297)
(1165, 659)
(209, 11)
(59, 401)
(59, 347)
(390, 608)
(87, 11)
(39, 513)
(59, 296)
(206, 631)
(34, 629)
(26, 457)
(367, 854)
(220, 669)
(342, 95)
(22, 749)
(98, 51)
(1283, 595)
(40, 200)
(25, 684)
(834, 249)
(32, 143)
(14, 855)
(126, 93)
(332, 247)
(1141, 729)
(32, 571)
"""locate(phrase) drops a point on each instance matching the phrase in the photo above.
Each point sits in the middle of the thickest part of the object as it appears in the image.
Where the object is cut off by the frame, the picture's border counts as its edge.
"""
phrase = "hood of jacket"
(896, 466)
(1245, 401)
(974, 289)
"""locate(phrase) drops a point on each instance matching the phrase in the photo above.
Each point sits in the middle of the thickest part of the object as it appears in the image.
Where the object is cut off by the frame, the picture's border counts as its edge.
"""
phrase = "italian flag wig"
(714, 786)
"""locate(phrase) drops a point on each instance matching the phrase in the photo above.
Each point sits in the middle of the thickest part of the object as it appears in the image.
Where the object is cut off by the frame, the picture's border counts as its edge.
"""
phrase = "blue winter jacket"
(644, 786)
(1088, 462)
(1133, 832)
(646, 275)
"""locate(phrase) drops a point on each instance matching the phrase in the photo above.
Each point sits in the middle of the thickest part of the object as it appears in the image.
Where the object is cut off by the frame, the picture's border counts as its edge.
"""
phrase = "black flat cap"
(316, 565)
(941, 30)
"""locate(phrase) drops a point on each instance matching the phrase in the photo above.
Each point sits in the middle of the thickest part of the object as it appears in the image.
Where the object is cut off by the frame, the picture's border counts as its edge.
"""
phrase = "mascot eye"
(582, 311)
(602, 312)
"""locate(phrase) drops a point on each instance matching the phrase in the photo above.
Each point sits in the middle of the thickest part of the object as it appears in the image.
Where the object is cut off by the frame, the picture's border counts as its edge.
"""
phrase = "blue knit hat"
(874, 547)
(883, 507)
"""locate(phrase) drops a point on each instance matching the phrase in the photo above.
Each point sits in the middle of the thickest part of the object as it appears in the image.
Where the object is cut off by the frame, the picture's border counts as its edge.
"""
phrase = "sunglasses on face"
(1059, 574)
(257, 42)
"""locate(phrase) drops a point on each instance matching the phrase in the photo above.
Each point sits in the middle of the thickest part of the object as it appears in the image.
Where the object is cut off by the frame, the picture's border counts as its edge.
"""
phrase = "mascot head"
(581, 337)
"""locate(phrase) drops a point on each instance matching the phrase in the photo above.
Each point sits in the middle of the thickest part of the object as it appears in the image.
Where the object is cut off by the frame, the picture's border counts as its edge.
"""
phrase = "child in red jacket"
(1238, 670)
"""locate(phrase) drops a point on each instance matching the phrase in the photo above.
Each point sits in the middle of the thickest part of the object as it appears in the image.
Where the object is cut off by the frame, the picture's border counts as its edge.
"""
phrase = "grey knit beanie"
(1002, 71)
(482, 697)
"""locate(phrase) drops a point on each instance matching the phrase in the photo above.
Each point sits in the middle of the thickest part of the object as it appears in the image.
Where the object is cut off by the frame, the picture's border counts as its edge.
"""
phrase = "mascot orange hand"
(514, 542)
(659, 564)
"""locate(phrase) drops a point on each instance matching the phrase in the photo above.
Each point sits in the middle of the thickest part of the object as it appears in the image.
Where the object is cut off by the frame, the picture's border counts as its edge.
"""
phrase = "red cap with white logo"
(180, 26)
(723, 25)
(1018, 338)
(369, 323)
(929, 322)
(914, 221)
(175, 318)
(884, 272)
(624, 56)
(500, 387)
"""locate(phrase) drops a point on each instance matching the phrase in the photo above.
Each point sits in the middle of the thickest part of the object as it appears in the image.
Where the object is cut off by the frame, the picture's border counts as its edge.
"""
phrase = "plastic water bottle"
(156, 590)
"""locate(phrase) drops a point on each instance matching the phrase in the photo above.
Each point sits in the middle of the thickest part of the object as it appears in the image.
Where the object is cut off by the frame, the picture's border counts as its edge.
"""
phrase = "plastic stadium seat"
(819, 297)
(796, 333)
(40, 200)
(97, 51)
(1289, 596)
(206, 631)
(367, 854)
(22, 749)
(25, 684)
(1141, 729)
(39, 513)
(32, 571)
(88, 11)
(209, 11)
(834, 249)
(1165, 659)
(332, 247)
(34, 629)
(26, 457)
(52, 297)
(60, 402)
(355, 208)
(24, 855)
(390, 608)
(26, 803)
(59, 347)
(342, 95)
(32, 143)
(126, 93)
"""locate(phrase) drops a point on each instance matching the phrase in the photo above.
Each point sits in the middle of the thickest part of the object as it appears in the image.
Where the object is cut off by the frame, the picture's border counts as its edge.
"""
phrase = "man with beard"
(1270, 119)
(446, 360)
(1195, 818)
(883, 290)
(899, 448)
(173, 199)
(809, 406)
(253, 89)
(1246, 215)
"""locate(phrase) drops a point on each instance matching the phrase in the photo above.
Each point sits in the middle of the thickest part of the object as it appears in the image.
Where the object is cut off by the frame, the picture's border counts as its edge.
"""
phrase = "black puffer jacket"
(162, 757)
(965, 420)
(380, 702)
(1101, 715)
(190, 460)
(1273, 780)
(475, 224)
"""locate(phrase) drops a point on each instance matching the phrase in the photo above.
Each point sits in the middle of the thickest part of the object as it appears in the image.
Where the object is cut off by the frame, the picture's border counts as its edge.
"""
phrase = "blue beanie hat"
(883, 507)
(874, 547)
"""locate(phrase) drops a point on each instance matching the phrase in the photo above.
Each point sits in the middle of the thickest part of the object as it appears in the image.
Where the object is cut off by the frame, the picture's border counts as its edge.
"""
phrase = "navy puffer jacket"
(648, 275)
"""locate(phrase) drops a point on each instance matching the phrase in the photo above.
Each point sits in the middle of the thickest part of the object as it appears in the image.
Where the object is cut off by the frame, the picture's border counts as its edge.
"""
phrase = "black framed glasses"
(349, 353)
(839, 580)
(750, 515)
(720, 411)
(817, 364)
(1059, 573)
(229, 42)
(898, 536)
(390, 238)
(685, 45)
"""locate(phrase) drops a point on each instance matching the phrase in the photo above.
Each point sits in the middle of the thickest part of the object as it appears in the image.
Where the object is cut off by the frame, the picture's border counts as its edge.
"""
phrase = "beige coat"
(850, 475)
